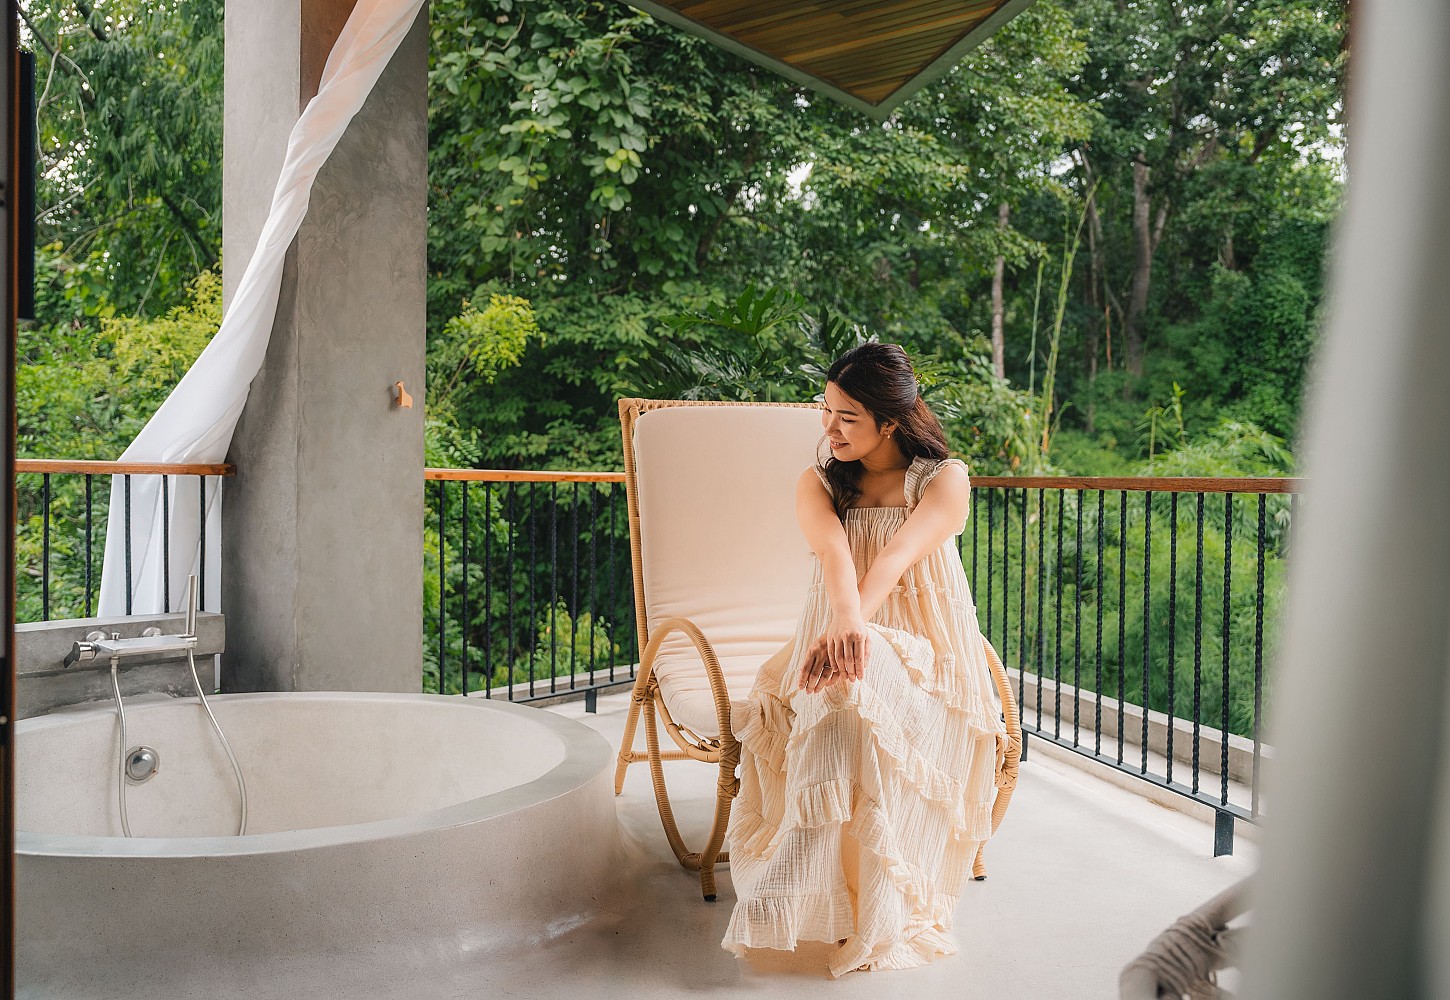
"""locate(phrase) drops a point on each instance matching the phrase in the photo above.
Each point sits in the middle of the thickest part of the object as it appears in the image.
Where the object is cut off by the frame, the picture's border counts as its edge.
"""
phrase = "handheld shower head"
(191, 592)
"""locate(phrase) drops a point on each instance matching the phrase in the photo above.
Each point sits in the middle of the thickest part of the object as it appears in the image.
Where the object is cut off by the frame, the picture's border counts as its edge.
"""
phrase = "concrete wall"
(322, 527)
(44, 684)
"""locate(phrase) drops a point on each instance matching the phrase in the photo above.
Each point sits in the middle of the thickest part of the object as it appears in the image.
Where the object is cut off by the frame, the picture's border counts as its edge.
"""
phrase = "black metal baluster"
(1057, 631)
(89, 530)
(553, 587)
(442, 588)
(488, 522)
(1147, 622)
(1077, 625)
(201, 583)
(166, 543)
(511, 648)
(1197, 640)
(533, 598)
(973, 508)
(1098, 678)
(45, 546)
(1041, 643)
(613, 503)
(991, 565)
(1122, 617)
(1172, 626)
(126, 514)
(593, 574)
(1005, 651)
(1228, 557)
(1022, 613)
(464, 622)
(574, 589)
(1258, 658)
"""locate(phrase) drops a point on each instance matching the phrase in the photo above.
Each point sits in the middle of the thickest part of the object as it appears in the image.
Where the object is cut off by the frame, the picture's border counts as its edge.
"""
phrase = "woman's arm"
(846, 635)
(938, 516)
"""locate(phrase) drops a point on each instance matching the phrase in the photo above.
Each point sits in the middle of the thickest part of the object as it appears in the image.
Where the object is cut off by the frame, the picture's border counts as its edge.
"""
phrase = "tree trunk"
(1095, 303)
(1226, 255)
(1145, 240)
(999, 344)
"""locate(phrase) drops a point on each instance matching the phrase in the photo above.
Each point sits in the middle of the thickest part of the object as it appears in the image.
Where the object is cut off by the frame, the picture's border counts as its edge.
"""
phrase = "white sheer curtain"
(195, 423)
(1353, 896)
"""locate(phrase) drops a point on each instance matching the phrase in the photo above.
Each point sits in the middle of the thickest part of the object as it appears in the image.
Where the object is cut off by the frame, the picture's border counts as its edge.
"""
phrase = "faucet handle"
(83, 650)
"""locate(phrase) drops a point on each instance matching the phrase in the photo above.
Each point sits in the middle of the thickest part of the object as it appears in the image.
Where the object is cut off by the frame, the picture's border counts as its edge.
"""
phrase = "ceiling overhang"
(870, 56)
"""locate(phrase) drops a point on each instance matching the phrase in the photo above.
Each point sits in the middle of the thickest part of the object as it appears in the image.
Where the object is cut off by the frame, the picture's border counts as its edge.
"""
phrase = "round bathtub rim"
(586, 756)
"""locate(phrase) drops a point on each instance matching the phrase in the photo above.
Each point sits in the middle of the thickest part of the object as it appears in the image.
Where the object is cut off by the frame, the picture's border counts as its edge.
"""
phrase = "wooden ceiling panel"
(869, 55)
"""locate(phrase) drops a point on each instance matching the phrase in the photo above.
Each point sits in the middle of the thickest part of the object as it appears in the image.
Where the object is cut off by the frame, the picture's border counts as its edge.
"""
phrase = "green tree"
(129, 113)
(617, 173)
(1210, 115)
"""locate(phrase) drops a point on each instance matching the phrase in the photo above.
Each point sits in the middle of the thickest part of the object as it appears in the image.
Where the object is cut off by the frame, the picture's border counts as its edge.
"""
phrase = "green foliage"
(129, 127)
(620, 175)
(1095, 617)
(759, 346)
(84, 390)
(495, 338)
(1230, 449)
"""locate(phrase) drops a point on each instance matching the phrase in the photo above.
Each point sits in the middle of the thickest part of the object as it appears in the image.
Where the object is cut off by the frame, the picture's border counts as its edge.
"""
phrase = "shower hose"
(121, 711)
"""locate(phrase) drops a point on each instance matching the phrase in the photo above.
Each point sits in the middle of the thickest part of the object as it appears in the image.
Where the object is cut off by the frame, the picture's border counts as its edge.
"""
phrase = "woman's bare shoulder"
(948, 487)
(814, 474)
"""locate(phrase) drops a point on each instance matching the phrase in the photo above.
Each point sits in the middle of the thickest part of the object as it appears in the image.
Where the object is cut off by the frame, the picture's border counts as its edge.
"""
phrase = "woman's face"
(850, 429)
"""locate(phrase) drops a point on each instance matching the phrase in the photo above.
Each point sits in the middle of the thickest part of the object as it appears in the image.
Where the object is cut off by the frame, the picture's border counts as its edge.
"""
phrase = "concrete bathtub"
(411, 830)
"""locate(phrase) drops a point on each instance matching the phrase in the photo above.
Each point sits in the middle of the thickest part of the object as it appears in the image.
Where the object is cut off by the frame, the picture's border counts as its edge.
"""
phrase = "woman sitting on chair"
(869, 742)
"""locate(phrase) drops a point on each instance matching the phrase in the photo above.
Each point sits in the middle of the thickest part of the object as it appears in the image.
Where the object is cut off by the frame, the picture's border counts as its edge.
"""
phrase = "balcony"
(1079, 584)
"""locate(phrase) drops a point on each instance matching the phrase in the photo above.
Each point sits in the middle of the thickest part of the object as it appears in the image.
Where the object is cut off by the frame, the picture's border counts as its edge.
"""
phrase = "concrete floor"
(1083, 874)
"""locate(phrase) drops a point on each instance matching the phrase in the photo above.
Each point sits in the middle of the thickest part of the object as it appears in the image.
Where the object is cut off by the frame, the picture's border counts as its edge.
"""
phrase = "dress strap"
(920, 475)
(824, 481)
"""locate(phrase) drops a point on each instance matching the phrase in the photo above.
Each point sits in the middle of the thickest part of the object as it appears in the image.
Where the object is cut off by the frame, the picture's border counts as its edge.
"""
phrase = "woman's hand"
(847, 643)
(817, 673)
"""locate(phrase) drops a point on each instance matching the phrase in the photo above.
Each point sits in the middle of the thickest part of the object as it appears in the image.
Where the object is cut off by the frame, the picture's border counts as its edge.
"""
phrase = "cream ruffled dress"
(862, 807)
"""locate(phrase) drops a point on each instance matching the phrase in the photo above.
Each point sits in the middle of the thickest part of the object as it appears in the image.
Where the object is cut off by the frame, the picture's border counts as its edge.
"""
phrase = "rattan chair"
(721, 572)
(1184, 961)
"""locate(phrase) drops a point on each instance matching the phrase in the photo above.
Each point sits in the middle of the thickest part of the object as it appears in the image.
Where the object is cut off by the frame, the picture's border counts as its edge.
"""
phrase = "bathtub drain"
(141, 763)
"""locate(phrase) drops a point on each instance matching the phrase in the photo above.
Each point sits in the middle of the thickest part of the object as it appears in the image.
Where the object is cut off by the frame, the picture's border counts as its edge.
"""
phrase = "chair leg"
(639, 699)
(662, 794)
(704, 861)
(979, 866)
(726, 790)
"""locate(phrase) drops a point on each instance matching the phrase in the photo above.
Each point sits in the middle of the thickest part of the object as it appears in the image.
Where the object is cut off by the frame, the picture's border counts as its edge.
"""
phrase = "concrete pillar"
(322, 544)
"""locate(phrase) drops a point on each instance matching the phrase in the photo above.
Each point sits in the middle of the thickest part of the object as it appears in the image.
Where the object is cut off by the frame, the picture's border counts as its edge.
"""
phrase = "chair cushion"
(686, 689)
(719, 540)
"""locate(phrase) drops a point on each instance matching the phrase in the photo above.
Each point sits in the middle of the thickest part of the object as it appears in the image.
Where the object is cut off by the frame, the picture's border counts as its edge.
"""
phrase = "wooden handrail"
(520, 476)
(1157, 484)
(1164, 484)
(1161, 484)
(77, 467)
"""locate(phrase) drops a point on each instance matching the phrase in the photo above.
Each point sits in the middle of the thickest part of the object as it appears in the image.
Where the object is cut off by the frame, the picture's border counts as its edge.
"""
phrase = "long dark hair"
(880, 378)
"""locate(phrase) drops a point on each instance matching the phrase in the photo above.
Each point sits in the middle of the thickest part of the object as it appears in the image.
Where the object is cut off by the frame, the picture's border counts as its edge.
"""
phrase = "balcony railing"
(62, 510)
(1136, 614)
(528, 593)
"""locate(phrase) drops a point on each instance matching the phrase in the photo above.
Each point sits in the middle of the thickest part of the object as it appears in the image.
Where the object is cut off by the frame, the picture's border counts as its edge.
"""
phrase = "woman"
(869, 742)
